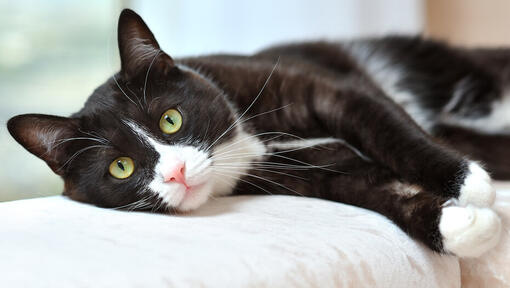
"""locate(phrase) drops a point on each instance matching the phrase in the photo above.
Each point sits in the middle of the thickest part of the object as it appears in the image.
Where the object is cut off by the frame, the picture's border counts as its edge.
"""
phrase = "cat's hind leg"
(491, 149)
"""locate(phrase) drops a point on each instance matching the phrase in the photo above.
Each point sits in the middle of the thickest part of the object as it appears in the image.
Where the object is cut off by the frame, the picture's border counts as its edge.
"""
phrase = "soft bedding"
(250, 241)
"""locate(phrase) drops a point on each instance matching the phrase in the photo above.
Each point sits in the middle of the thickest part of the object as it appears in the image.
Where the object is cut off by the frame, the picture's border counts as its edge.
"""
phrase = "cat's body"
(313, 119)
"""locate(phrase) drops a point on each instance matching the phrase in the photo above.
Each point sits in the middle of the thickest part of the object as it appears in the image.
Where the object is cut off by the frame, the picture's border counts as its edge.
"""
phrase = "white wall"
(198, 27)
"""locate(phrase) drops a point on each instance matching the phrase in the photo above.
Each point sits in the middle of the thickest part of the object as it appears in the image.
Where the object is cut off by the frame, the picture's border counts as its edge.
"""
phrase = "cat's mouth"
(193, 197)
(190, 189)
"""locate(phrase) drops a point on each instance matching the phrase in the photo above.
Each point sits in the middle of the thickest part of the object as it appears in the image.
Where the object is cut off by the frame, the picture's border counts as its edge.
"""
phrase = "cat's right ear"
(44, 136)
(138, 47)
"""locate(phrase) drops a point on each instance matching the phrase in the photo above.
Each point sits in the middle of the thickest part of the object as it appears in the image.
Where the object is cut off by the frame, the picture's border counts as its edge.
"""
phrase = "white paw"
(469, 231)
(477, 188)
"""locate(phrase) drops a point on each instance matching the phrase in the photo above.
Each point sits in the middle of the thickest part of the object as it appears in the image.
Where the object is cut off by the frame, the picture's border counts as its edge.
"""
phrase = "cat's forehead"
(204, 109)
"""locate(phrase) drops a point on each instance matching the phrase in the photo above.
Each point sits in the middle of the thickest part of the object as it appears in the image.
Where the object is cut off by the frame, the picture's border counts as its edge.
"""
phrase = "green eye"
(122, 167)
(170, 122)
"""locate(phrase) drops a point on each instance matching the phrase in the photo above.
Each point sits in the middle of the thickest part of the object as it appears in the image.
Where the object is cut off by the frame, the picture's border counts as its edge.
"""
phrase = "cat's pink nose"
(176, 173)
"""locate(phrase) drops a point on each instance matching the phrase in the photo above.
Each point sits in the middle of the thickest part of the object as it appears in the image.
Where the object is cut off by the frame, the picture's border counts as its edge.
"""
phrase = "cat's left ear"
(138, 48)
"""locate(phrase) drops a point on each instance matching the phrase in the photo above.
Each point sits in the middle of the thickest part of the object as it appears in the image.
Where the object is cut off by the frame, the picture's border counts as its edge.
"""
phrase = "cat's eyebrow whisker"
(54, 144)
(147, 76)
(245, 120)
(81, 151)
(62, 141)
(264, 113)
(94, 135)
(249, 107)
(118, 85)
(134, 95)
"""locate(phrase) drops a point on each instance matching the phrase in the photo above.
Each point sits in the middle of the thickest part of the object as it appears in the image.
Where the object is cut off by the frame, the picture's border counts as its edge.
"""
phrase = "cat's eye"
(170, 122)
(122, 167)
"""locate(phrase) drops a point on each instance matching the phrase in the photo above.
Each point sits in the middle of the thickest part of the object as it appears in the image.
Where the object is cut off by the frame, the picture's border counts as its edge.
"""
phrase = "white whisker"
(270, 181)
(264, 113)
(243, 180)
(311, 165)
(118, 85)
(253, 136)
(147, 76)
(249, 107)
(263, 170)
(79, 152)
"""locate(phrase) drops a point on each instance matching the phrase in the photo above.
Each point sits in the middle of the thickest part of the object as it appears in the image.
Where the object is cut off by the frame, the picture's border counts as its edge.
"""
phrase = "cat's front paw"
(469, 231)
(477, 187)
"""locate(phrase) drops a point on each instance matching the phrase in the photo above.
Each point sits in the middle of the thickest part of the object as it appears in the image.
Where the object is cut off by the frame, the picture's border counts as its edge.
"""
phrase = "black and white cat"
(383, 124)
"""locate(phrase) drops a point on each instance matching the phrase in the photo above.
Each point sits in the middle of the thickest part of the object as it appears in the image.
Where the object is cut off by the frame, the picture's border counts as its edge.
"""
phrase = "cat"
(398, 125)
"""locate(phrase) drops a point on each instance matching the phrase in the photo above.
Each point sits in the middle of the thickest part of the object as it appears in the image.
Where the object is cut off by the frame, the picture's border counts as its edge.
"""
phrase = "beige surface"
(469, 22)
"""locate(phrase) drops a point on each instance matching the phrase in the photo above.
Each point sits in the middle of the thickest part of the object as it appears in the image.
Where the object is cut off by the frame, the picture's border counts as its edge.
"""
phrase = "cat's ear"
(44, 136)
(138, 48)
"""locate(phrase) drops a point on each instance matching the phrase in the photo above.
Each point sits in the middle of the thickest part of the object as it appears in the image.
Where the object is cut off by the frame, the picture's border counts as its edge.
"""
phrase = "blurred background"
(53, 53)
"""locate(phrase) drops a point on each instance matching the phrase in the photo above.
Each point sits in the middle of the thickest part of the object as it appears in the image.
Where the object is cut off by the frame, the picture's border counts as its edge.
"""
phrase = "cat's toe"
(477, 188)
(469, 231)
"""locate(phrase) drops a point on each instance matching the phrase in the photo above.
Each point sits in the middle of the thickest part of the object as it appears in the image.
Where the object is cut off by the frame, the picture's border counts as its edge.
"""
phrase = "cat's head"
(148, 138)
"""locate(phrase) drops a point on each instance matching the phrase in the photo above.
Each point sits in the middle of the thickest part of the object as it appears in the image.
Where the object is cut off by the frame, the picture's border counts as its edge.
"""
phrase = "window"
(53, 54)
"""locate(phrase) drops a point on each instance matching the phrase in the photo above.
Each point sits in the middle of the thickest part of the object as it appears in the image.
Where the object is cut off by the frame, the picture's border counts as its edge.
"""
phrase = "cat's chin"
(194, 198)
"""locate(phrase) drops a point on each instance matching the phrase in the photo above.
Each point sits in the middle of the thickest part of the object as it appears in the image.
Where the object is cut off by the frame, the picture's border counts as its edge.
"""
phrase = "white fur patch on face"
(232, 159)
(197, 173)
(469, 231)
(477, 188)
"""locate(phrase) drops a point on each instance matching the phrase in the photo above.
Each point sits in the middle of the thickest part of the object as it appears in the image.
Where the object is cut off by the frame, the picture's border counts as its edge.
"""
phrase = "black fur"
(328, 94)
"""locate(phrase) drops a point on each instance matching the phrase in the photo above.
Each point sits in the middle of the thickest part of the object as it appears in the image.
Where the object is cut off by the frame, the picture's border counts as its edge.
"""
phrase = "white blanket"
(493, 268)
(259, 241)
